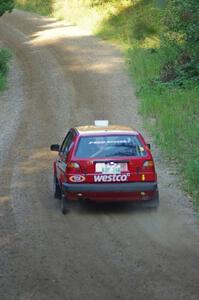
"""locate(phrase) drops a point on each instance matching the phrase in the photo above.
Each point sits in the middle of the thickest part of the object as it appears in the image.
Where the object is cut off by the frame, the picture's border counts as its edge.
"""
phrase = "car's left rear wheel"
(64, 204)
(153, 203)
(56, 188)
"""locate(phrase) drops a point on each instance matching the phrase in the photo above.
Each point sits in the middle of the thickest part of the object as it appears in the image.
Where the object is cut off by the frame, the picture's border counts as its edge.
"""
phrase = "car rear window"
(109, 146)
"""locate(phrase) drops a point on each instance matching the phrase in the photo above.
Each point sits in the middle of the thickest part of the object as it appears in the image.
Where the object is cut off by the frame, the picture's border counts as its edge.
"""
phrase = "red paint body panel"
(70, 168)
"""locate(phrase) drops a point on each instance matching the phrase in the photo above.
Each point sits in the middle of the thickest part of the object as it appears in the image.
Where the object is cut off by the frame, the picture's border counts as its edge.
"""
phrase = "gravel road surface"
(62, 76)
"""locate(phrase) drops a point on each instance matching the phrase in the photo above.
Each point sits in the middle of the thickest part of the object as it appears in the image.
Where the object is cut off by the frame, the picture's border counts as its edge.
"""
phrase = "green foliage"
(5, 56)
(182, 16)
(174, 114)
(43, 7)
(182, 20)
(143, 29)
(96, 2)
(6, 5)
(132, 24)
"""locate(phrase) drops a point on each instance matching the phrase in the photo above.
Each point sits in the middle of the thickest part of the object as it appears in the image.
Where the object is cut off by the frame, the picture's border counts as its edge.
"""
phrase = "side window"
(66, 143)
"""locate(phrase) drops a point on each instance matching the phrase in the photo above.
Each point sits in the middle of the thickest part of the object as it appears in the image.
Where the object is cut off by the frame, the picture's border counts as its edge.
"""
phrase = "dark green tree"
(182, 18)
(6, 5)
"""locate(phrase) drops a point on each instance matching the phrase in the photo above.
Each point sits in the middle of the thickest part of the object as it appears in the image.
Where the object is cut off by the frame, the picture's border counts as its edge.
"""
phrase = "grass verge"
(5, 56)
(43, 7)
(171, 110)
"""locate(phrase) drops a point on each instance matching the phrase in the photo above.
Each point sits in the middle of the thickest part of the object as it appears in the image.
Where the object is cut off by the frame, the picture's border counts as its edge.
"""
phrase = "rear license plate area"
(111, 168)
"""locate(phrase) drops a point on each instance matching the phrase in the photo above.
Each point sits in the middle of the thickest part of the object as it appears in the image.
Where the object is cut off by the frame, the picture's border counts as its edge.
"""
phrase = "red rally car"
(104, 163)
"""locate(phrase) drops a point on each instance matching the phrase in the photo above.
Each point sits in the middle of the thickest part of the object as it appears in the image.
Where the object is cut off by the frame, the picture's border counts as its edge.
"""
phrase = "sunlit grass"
(174, 112)
(175, 115)
(43, 7)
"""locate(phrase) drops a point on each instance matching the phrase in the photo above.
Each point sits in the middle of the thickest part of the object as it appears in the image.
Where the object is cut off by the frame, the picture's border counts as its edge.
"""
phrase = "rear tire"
(64, 204)
(57, 189)
(154, 203)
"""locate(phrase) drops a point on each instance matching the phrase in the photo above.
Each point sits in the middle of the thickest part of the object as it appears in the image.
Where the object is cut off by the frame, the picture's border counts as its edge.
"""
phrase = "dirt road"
(60, 77)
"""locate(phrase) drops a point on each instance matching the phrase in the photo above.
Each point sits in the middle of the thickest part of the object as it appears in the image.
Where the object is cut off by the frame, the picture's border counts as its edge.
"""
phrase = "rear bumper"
(129, 187)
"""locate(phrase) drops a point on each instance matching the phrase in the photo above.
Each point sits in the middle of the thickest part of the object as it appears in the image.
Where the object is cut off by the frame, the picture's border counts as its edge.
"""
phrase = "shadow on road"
(88, 207)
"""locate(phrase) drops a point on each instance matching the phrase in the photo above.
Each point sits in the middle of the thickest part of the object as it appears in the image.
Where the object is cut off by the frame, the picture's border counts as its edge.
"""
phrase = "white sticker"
(111, 178)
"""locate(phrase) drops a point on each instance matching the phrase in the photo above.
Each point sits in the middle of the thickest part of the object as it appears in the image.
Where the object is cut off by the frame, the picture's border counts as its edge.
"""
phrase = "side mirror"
(149, 146)
(55, 147)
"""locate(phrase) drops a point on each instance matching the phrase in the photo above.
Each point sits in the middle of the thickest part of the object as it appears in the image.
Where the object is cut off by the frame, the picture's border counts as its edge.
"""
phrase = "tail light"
(73, 167)
(148, 165)
(148, 171)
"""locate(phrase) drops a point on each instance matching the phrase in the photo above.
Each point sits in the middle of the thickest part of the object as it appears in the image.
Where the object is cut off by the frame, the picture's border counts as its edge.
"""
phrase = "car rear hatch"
(111, 158)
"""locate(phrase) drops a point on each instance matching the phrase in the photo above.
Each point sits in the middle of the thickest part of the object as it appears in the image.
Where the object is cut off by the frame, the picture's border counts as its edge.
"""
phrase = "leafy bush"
(182, 20)
(5, 56)
(6, 5)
